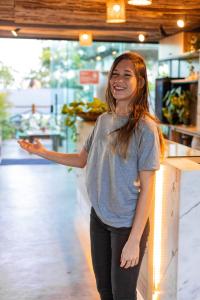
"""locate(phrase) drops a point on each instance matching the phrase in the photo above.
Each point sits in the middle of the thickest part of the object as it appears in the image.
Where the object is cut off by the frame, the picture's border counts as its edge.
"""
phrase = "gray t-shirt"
(112, 183)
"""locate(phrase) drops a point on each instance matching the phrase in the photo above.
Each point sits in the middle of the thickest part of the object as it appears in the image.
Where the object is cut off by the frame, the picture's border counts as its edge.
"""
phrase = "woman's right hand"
(35, 148)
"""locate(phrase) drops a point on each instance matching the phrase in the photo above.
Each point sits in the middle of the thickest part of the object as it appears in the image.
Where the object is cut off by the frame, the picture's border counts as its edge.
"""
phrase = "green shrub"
(6, 129)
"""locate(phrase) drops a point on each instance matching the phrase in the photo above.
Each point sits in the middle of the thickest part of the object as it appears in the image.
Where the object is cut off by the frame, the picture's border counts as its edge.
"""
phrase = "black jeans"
(113, 282)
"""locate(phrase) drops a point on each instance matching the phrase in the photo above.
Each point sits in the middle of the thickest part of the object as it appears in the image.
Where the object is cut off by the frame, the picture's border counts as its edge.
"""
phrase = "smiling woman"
(119, 219)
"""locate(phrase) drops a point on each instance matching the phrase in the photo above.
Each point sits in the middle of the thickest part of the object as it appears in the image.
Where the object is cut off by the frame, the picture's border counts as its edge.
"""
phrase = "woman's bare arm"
(147, 181)
(131, 251)
(68, 159)
(78, 160)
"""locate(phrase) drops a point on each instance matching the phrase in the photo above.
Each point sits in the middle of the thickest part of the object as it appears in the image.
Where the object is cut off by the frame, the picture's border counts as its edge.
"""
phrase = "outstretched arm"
(78, 160)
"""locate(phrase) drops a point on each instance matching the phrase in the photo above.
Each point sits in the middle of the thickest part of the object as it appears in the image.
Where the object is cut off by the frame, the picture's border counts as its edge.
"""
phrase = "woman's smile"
(118, 88)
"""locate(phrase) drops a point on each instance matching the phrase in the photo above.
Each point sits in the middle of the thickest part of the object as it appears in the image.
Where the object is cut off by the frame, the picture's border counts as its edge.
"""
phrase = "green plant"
(6, 76)
(6, 129)
(88, 111)
(176, 106)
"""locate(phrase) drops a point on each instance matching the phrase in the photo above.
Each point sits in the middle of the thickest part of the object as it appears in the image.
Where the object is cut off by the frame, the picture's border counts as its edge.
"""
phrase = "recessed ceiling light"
(141, 37)
(181, 23)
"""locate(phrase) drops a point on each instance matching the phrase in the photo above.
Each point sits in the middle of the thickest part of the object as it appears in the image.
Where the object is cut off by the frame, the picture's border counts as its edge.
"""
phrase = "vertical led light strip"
(157, 233)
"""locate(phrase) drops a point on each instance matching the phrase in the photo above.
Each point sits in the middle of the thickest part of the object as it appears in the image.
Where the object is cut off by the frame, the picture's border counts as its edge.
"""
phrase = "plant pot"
(88, 116)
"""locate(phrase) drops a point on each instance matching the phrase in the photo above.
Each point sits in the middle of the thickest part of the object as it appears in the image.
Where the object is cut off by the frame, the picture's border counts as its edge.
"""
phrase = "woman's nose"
(119, 78)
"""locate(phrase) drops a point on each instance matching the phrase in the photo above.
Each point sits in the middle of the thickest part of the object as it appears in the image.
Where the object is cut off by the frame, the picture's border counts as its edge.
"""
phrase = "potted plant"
(176, 106)
(88, 111)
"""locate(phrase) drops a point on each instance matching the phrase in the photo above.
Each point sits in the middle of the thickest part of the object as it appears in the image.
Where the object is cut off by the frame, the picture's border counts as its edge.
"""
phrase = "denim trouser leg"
(101, 257)
(107, 242)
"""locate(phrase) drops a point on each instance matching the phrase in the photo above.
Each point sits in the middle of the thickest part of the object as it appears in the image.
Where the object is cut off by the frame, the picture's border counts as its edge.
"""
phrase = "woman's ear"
(141, 82)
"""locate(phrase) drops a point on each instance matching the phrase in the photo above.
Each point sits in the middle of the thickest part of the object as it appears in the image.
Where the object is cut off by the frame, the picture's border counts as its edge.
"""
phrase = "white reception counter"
(170, 268)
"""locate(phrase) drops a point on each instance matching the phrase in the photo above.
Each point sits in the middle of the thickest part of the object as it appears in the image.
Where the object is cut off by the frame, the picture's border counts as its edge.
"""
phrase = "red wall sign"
(89, 77)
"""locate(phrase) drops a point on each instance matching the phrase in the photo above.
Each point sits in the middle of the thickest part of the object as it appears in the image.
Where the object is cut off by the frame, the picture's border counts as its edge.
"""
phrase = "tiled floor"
(44, 248)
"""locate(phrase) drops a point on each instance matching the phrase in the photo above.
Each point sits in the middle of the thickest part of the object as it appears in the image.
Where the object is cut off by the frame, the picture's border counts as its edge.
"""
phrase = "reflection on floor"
(12, 150)
(44, 247)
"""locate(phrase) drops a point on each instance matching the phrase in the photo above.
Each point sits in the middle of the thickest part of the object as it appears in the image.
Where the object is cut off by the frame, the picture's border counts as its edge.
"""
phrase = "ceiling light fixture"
(114, 52)
(140, 2)
(141, 37)
(85, 39)
(116, 11)
(180, 23)
(98, 58)
(15, 31)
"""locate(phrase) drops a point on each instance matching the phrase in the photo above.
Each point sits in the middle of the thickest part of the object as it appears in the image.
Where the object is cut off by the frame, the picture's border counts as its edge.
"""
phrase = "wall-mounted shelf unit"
(179, 68)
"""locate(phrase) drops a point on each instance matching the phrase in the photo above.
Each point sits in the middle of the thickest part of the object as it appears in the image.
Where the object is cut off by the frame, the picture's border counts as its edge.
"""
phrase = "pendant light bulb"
(85, 39)
(115, 11)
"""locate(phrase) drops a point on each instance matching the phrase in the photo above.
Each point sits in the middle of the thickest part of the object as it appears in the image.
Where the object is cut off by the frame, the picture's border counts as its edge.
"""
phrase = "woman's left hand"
(130, 254)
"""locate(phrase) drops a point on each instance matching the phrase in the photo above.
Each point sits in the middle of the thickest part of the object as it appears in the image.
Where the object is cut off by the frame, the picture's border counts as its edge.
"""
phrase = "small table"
(56, 136)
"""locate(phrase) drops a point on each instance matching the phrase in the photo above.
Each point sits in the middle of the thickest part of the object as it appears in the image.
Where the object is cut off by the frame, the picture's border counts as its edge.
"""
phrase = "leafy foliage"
(54, 66)
(43, 74)
(176, 106)
(6, 77)
(80, 108)
(6, 128)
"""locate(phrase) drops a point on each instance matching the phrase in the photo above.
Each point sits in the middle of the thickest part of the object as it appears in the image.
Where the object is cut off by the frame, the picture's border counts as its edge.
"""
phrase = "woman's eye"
(127, 75)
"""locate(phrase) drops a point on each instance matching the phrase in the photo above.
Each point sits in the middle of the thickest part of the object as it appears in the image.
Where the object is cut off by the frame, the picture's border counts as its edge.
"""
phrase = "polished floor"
(44, 243)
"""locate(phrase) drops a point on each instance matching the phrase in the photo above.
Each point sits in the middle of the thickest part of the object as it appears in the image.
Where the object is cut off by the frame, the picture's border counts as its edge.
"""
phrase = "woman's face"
(123, 82)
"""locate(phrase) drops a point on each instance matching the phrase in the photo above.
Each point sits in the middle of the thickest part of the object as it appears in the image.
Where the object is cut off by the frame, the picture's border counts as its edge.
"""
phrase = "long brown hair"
(138, 107)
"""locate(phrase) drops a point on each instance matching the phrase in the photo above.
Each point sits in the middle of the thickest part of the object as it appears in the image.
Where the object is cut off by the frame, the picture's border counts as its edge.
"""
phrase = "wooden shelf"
(183, 81)
(186, 129)
(187, 55)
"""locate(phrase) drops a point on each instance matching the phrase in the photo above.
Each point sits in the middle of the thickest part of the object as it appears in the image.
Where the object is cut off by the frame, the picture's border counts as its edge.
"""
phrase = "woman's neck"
(122, 111)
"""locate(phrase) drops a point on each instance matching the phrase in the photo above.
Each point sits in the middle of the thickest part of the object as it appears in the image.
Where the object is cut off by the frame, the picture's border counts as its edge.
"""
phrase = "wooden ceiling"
(64, 19)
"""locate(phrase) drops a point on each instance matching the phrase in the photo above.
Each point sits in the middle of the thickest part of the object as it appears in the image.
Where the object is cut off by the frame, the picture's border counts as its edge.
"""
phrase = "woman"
(121, 156)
